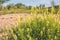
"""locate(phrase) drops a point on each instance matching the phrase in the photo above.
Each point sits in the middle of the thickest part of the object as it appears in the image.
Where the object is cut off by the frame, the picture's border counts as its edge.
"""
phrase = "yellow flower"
(41, 33)
(51, 39)
(43, 28)
(55, 37)
(27, 29)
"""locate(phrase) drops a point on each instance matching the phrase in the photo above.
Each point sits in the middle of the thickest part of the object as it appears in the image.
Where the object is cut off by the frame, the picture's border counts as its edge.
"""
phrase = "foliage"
(44, 27)
(20, 5)
(2, 1)
(21, 8)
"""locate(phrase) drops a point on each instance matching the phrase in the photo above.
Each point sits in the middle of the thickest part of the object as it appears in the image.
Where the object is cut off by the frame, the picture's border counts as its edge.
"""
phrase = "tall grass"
(36, 27)
(44, 27)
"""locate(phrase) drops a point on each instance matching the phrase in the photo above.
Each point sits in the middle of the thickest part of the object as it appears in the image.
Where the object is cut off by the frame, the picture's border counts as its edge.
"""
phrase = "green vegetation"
(41, 27)
(2, 1)
(42, 23)
(17, 8)
(21, 8)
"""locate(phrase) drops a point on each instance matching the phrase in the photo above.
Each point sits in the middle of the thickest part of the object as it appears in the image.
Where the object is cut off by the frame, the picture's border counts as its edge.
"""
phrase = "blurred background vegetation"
(22, 8)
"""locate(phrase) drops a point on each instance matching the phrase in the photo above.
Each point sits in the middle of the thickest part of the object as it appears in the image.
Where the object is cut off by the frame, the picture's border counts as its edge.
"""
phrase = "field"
(35, 24)
(30, 27)
(11, 19)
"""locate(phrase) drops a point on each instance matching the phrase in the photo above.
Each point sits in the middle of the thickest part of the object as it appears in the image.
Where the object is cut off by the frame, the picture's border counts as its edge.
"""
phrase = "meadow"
(40, 24)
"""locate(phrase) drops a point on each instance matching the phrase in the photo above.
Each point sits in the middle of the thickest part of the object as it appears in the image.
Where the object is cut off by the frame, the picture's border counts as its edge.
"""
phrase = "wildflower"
(51, 38)
(55, 37)
(59, 22)
(43, 28)
(27, 29)
(41, 33)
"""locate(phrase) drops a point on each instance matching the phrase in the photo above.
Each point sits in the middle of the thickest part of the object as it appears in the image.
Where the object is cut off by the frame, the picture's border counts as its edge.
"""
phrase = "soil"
(10, 19)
